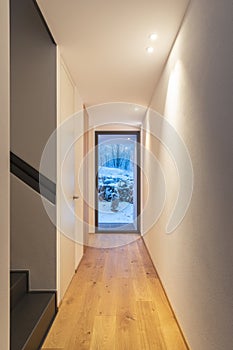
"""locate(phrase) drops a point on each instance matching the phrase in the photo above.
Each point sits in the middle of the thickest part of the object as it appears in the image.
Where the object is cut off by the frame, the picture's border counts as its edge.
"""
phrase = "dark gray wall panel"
(33, 236)
(33, 119)
(33, 83)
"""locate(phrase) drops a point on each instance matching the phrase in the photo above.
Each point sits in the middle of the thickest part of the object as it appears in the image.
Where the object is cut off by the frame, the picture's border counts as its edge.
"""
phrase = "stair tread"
(25, 316)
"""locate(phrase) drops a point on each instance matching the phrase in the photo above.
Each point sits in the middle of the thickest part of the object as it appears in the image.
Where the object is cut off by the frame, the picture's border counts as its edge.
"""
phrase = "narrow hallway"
(115, 301)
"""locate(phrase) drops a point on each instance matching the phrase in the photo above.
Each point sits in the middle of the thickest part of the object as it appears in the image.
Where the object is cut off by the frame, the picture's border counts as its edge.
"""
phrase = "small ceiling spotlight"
(150, 49)
(136, 109)
(153, 36)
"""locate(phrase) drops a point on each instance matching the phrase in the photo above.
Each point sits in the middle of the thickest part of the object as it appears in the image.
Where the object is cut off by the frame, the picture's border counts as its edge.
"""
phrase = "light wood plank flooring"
(115, 302)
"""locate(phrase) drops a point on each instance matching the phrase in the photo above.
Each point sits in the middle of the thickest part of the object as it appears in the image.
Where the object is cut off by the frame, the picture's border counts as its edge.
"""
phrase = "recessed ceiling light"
(153, 36)
(136, 109)
(150, 49)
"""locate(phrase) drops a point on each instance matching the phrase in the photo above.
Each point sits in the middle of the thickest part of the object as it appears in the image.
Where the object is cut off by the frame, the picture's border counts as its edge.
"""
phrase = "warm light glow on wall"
(147, 140)
(147, 133)
(173, 92)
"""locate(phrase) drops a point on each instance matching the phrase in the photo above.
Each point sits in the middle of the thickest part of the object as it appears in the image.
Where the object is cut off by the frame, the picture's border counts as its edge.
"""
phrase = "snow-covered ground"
(123, 215)
(113, 172)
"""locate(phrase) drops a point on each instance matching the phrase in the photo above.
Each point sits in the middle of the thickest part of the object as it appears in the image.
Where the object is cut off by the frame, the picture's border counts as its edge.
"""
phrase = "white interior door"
(70, 184)
(79, 182)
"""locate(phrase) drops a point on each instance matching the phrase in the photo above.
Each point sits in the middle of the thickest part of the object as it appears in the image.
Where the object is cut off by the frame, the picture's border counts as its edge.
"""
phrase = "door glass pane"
(117, 182)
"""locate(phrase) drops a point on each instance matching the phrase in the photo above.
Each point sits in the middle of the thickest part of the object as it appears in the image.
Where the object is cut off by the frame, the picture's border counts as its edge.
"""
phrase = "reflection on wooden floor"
(115, 301)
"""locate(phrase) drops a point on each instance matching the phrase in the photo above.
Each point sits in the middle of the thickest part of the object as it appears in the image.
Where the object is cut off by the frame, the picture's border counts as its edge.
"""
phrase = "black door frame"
(115, 132)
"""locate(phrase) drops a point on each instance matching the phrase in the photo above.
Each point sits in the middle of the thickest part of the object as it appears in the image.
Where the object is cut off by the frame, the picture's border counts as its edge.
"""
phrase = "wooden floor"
(115, 302)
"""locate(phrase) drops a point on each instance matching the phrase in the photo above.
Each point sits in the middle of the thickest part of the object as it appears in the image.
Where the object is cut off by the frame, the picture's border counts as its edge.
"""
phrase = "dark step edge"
(33, 335)
(19, 288)
(26, 272)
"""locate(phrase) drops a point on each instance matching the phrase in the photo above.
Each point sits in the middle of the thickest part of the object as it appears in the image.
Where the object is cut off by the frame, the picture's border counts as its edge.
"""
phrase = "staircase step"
(31, 319)
(18, 286)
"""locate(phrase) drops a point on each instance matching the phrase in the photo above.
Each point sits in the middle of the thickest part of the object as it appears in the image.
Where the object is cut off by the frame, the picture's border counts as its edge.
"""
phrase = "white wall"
(4, 175)
(195, 94)
(69, 252)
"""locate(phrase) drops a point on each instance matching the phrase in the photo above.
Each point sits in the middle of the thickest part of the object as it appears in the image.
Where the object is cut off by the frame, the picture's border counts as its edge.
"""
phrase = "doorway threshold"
(116, 228)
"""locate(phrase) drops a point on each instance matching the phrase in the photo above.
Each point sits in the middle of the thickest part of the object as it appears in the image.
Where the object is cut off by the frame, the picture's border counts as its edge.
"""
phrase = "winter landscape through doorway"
(117, 159)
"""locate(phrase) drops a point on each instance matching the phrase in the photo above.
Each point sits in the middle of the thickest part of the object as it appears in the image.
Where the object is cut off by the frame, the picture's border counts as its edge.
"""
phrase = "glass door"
(117, 181)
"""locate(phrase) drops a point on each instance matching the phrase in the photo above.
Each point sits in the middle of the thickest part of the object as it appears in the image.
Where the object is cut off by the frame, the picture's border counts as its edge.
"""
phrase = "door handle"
(75, 197)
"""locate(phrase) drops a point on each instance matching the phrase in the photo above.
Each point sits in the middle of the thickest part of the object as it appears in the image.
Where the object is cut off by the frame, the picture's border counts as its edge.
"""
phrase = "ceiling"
(122, 113)
(103, 43)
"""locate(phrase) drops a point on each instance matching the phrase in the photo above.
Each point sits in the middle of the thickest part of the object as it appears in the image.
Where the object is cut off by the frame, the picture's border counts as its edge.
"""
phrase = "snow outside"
(116, 179)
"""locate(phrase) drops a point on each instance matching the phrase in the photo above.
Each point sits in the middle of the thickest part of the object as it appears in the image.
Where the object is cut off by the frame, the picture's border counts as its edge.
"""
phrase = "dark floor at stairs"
(32, 313)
